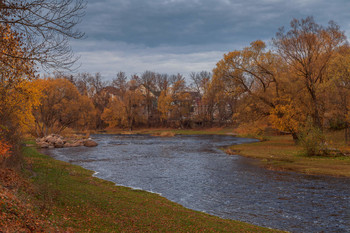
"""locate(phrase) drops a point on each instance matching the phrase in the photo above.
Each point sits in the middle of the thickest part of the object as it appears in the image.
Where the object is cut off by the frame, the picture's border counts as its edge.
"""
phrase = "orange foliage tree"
(286, 86)
(308, 49)
(18, 94)
(126, 111)
(247, 81)
(61, 106)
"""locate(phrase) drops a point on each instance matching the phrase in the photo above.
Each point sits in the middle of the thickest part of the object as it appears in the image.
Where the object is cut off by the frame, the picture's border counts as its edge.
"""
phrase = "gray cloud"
(160, 22)
(169, 34)
(110, 57)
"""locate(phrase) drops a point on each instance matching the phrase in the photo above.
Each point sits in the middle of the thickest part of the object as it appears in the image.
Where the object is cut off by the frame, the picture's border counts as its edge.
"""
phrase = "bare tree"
(162, 82)
(120, 81)
(45, 27)
(200, 81)
(178, 83)
(148, 79)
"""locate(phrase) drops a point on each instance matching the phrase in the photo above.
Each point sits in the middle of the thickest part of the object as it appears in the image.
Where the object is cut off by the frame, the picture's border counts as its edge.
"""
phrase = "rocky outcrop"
(57, 141)
(90, 143)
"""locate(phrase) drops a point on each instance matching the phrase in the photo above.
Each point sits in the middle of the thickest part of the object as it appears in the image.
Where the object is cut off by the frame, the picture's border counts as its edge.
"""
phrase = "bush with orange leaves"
(4, 150)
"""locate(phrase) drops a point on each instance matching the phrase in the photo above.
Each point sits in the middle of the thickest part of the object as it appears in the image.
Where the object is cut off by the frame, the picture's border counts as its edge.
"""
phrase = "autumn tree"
(94, 88)
(18, 95)
(181, 101)
(206, 90)
(162, 82)
(165, 105)
(249, 75)
(32, 32)
(221, 98)
(253, 71)
(208, 103)
(288, 116)
(307, 48)
(338, 90)
(61, 107)
(181, 110)
(285, 86)
(126, 111)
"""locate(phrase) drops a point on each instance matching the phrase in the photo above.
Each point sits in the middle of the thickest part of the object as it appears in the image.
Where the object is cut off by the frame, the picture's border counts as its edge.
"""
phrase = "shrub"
(312, 140)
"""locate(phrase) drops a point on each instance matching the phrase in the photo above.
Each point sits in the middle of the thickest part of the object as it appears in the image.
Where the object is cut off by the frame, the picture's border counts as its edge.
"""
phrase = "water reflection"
(192, 171)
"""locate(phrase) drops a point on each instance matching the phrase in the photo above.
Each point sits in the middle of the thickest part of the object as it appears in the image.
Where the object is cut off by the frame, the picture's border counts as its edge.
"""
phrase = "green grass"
(73, 200)
(281, 153)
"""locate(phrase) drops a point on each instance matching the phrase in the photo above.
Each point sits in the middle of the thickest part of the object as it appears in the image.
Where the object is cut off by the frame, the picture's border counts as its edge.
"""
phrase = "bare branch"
(45, 27)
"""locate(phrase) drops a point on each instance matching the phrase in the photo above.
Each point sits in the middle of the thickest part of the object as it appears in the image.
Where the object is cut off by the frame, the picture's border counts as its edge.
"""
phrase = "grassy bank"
(155, 131)
(63, 197)
(281, 153)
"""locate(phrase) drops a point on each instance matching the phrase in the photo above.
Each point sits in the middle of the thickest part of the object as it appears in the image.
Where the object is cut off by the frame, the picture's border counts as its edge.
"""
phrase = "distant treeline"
(149, 100)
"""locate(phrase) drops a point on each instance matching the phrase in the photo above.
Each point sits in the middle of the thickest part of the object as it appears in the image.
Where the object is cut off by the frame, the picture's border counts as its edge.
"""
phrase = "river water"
(193, 172)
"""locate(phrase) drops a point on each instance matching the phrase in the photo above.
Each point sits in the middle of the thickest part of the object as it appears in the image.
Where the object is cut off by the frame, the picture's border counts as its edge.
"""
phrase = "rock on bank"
(57, 141)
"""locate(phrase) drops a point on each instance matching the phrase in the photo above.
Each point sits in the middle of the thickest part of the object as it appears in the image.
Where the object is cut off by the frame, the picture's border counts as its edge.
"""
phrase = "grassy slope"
(70, 198)
(280, 153)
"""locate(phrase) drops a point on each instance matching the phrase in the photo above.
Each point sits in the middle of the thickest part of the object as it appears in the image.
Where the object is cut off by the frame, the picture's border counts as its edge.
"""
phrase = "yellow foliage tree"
(126, 111)
(287, 116)
(18, 94)
(308, 49)
(164, 105)
(248, 82)
(175, 103)
(337, 90)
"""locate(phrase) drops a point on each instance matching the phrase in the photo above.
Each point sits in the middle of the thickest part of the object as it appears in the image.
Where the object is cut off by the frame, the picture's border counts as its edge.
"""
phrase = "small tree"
(313, 140)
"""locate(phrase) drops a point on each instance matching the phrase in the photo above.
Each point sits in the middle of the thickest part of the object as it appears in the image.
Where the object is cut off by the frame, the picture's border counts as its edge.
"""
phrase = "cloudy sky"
(181, 36)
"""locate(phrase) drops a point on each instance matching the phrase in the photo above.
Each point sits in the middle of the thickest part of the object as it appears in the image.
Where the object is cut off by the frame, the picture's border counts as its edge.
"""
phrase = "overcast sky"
(181, 36)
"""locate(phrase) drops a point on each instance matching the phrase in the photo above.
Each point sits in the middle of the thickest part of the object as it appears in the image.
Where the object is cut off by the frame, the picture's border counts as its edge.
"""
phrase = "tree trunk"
(315, 111)
(295, 138)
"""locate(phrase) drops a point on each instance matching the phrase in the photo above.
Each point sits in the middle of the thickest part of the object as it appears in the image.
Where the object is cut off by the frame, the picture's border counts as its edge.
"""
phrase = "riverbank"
(274, 152)
(155, 131)
(51, 195)
(280, 153)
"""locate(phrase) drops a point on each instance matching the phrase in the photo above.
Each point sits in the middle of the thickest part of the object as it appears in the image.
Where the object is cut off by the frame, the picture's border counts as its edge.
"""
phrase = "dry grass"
(17, 213)
(164, 134)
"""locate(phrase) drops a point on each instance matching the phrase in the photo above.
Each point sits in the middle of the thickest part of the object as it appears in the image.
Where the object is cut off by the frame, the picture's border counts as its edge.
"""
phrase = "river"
(194, 172)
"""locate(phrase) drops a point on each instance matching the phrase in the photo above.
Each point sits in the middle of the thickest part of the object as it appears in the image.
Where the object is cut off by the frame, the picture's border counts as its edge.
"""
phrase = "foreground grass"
(72, 200)
(281, 153)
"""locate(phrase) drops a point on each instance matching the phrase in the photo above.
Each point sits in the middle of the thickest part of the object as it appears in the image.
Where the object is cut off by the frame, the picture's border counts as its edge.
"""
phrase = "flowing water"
(194, 172)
